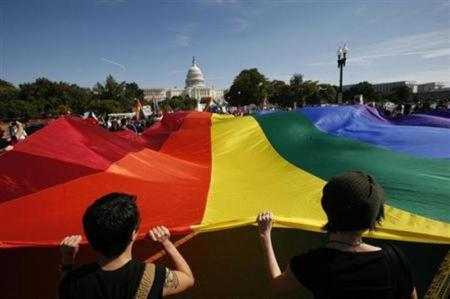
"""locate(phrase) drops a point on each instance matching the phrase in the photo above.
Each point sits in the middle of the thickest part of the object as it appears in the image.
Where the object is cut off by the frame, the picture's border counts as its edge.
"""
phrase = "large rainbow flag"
(202, 172)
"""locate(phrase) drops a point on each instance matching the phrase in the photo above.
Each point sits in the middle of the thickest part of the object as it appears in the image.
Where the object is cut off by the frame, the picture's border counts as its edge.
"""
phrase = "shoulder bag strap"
(146, 282)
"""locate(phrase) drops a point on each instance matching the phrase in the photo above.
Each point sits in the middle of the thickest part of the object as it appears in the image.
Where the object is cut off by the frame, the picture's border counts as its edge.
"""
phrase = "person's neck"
(349, 238)
(114, 263)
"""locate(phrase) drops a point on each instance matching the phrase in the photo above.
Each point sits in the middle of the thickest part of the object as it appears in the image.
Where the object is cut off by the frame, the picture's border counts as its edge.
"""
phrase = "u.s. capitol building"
(195, 88)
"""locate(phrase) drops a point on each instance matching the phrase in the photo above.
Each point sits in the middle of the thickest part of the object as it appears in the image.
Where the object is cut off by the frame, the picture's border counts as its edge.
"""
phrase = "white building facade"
(413, 86)
(195, 87)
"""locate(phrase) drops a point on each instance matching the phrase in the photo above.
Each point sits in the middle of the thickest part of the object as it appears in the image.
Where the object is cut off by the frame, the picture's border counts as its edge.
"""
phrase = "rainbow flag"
(199, 172)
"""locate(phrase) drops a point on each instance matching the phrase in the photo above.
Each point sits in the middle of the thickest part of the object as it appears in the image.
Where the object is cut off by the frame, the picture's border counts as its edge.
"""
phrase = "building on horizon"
(413, 86)
(431, 91)
(195, 87)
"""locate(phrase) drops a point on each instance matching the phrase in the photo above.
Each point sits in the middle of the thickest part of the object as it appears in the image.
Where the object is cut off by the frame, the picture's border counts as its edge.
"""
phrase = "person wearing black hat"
(346, 267)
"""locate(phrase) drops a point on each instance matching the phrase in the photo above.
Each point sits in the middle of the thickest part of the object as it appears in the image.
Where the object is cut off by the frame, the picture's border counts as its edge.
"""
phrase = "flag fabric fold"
(202, 172)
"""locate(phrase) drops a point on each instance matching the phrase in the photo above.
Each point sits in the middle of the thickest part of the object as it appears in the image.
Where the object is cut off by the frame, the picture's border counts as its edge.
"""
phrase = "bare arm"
(180, 278)
(281, 282)
(69, 248)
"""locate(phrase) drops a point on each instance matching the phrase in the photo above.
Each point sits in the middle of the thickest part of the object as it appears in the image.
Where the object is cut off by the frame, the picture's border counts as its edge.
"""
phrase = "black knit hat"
(352, 201)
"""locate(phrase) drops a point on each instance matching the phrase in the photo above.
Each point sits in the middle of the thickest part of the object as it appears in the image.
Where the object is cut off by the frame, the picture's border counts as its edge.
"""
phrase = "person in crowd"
(5, 142)
(111, 225)
(131, 125)
(115, 126)
(408, 109)
(124, 124)
(347, 267)
(442, 104)
(399, 110)
(17, 131)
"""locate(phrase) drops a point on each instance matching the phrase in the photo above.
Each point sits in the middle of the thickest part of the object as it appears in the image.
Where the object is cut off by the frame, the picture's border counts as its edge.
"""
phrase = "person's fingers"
(166, 231)
(64, 240)
(152, 235)
(78, 240)
(72, 241)
(160, 231)
(69, 239)
(155, 235)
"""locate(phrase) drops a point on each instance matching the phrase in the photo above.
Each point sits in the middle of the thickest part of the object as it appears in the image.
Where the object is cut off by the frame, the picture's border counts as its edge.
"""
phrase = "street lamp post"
(342, 58)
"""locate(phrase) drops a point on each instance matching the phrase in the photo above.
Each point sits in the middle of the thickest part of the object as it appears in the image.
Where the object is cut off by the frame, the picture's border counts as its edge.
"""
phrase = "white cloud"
(426, 45)
(437, 53)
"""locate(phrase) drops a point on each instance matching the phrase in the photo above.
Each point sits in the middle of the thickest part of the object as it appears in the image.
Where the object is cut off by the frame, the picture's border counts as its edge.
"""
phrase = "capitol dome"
(194, 77)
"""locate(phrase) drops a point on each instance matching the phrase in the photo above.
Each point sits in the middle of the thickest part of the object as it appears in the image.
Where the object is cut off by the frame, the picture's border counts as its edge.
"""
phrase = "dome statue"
(194, 77)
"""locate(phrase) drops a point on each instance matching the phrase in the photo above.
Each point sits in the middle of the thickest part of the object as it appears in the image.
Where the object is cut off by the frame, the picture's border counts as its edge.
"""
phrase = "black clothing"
(90, 281)
(331, 273)
(4, 143)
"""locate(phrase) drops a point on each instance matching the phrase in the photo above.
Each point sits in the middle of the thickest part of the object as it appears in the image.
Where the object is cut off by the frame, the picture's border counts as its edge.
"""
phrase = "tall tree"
(122, 92)
(178, 103)
(311, 92)
(400, 94)
(327, 93)
(281, 93)
(296, 84)
(364, 88)
(249, 87)
(9, 100)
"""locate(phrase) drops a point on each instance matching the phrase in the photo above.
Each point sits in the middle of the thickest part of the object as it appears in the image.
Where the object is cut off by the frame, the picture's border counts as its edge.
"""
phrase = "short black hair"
(109, 223)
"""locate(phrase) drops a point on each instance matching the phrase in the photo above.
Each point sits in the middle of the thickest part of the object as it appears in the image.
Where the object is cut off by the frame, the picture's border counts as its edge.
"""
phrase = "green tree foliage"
(364, 88)
(249, 87)
(105, 106)
(327, 93)
(297, 85)
(178, 103)
(121, 92)
(303, 92)
(310, 92)
(132, 91)
(400, 94)
(281, 93)
(47, 98)
(8, 99)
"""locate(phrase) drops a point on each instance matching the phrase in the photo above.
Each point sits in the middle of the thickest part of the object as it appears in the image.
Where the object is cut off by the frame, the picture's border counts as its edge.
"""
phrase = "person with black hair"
(346, 267)
(111, 226)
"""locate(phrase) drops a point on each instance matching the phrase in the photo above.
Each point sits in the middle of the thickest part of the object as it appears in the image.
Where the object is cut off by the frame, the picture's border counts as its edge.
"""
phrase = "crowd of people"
(17, 131)
(125, 123)
(411, 108)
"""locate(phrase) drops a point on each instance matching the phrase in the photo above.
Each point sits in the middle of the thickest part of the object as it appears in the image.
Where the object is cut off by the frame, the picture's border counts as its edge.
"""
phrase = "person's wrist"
(166, 243)
(265, 236)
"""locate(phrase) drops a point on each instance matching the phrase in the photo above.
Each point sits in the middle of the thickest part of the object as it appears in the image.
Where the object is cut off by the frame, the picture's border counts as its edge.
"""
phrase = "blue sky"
(152, 42)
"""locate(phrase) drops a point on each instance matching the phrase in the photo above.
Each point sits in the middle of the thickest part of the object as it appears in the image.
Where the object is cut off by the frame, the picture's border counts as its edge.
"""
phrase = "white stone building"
(195, 88)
